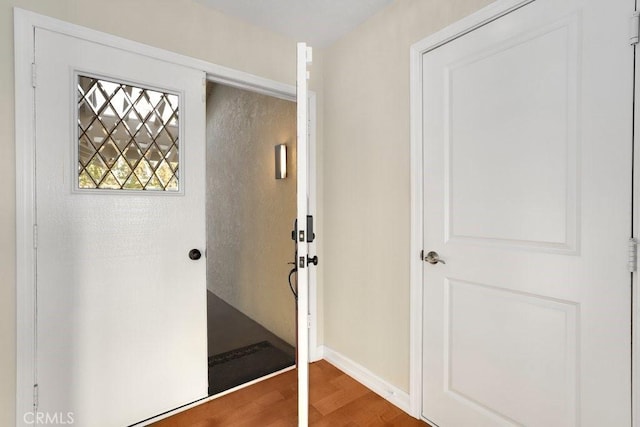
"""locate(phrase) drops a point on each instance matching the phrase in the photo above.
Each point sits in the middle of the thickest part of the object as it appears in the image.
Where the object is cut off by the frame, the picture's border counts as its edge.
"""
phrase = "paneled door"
(121, 292)
(527, 165)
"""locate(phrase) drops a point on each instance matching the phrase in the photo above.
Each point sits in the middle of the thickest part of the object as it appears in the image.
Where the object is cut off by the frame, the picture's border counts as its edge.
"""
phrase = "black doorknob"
(194, 254)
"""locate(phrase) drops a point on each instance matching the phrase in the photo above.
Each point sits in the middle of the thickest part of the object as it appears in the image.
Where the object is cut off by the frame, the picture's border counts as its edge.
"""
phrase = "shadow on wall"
(250, 214)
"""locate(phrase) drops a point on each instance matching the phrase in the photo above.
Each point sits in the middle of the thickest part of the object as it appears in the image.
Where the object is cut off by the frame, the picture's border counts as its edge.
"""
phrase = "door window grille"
(127, 137)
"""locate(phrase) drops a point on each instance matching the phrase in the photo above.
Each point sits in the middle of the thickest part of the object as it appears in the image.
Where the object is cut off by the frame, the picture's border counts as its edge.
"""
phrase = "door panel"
(121, 328)
(531, 200)
(507, 349)
(302, 245)
(527, 189)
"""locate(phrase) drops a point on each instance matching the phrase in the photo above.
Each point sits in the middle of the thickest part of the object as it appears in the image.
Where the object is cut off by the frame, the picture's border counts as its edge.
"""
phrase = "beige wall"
(367, 184)
(182, 26)
(250, 213)
(363, 176)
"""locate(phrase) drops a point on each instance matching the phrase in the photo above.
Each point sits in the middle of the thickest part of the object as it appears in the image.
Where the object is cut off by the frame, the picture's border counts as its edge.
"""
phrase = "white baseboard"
(367, 378)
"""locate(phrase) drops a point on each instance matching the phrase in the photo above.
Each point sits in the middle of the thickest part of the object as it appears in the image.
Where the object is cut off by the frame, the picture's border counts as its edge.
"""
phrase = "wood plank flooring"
(335, 400)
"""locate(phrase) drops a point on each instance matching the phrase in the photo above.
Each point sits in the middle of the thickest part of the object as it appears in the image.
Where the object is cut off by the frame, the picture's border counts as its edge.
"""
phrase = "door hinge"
(35, 398)
(308, 321)
(633, 255)
(309, 58)
(34, 75)
(35, 236)
(634, 29)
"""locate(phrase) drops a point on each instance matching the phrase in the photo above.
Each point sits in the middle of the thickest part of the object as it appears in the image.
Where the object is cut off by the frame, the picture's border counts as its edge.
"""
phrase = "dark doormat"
(235, 367)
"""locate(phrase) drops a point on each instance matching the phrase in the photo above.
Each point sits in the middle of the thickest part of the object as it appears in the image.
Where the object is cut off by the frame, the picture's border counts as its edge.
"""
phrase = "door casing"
(458, 29)
(25, 23)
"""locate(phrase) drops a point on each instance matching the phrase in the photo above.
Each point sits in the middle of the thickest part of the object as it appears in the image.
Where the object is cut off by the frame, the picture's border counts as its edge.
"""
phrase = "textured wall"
(250, 213)
(181, 26)
(367, 183)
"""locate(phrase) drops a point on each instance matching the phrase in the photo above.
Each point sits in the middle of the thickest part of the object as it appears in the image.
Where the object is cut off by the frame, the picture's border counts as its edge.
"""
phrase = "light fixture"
(281, 161)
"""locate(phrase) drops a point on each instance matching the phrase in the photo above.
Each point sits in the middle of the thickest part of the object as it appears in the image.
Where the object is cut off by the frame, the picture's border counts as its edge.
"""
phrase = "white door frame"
(635, 281)
(25, 23)
(454, 31)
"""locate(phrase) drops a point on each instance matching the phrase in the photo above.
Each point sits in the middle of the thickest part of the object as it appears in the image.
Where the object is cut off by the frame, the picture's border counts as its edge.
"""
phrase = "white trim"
(415, 264)
(25, 216)
(467, 24)
(313, 247)
(455, 30)
(210, 398)
(370, 380)
(219, 73)
(635, 281)
(25, 23)
(319, 351)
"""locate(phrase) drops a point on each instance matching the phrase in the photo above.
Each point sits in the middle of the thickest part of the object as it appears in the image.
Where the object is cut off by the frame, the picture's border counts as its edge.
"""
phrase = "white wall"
(250, 213)
(367, 183)
(182, 26)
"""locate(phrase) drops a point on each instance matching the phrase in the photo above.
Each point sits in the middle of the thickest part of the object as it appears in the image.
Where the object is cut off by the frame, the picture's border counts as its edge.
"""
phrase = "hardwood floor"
(335, 400)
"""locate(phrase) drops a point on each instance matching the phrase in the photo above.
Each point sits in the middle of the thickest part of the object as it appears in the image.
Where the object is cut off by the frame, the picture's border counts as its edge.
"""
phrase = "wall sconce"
(281, 161)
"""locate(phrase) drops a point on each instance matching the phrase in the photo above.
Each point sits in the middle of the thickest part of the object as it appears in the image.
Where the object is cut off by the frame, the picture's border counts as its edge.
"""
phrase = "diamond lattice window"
(127, 137)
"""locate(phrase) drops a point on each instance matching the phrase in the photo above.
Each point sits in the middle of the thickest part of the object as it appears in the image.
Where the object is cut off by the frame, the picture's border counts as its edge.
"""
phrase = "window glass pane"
(127, 137)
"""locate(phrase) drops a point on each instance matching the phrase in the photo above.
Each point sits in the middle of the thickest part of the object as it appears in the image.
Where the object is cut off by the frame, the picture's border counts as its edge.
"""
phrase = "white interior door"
(527, 199)
(303, 237)
(121, 308)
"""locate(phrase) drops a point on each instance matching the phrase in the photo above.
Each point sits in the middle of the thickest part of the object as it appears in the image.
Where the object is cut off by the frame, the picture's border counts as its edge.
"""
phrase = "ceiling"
(317, 22)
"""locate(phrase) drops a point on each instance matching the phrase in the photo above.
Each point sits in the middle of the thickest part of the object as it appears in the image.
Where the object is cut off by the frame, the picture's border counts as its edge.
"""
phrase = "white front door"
(304, 233)
(527, 201)
(121, 307)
